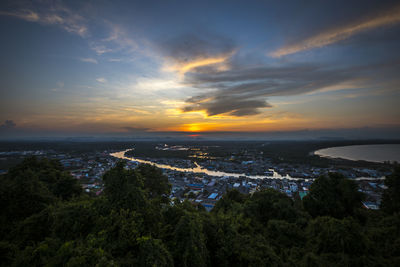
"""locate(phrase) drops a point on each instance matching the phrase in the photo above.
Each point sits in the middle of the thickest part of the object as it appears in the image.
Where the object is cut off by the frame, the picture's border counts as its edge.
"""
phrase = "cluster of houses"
(206, 190)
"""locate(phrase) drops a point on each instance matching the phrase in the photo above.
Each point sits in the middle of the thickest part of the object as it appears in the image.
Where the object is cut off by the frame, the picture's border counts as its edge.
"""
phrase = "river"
(199, 169)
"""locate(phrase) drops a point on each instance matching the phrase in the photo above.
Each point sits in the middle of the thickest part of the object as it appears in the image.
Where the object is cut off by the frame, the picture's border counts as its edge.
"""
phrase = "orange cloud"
(219, 61)
(200, 63)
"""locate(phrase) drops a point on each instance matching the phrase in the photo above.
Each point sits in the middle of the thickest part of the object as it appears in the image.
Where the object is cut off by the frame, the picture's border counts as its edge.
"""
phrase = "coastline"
(374, 153)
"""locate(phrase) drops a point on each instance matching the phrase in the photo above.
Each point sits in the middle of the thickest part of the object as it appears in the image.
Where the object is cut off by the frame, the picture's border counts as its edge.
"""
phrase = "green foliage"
(285, 235)
(131, 190)
(155, 182)
(345, 236)
(232, 198)
(22, 195)
(134, 224)
(333, 195)
(51, 174)
(7, 253)
(124, 187)
(188, 245)
(385, 231)
(152, 252)
(51, 252)
(391, 196)
(30, 187)
(232, 243)
(117, 232)
(270, 204)
(72, 220)
(34, 228)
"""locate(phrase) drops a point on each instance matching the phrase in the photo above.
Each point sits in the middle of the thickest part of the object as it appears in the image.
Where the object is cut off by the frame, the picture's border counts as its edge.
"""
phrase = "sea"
(372, 153)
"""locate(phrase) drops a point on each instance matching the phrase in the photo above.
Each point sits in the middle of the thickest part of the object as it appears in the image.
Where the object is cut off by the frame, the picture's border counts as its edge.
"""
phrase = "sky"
(192, 68)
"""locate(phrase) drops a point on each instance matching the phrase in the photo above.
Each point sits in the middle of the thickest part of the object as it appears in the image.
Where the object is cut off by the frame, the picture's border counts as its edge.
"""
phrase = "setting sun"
(193, 128)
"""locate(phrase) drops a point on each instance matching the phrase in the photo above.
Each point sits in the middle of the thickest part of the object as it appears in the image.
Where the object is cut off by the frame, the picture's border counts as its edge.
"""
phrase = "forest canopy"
(46, 219)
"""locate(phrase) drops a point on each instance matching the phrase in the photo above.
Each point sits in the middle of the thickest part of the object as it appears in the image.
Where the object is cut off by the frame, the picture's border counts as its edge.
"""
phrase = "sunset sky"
(145, 67)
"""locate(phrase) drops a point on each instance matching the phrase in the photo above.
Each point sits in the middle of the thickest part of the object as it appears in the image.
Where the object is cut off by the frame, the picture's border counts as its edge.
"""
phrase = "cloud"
(121, 38)
(76, 21)
(8, 124)
(187, 47)
(190, 52)
(184, 67)
(341, 33)
(52, 14)
(89, 60)
(101, 80)
(244, 90)
(225, 104)
(155, 84)
(28, 15)
(99, 49)
(134, 129)
(118, 40)
(241, 88)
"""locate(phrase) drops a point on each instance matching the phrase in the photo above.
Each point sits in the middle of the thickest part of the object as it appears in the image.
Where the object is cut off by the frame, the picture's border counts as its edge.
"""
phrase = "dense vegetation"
(47, 220)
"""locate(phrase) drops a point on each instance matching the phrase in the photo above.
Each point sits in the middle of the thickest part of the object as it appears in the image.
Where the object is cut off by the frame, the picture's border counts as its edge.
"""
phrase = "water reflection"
(199, 169)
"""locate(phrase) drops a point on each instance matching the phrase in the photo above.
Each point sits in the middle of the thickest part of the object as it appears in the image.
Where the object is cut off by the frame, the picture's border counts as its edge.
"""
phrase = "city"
(206, 182)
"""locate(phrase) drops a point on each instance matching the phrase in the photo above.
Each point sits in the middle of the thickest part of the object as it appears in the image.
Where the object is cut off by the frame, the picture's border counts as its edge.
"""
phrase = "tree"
(189, 242)
(233, 242)
(124, 188)
(284, 235)
(232, 198)
(66, 186)
(117, 233)
(391, 196)
(49, 172)
(333, 195)
(152, 252)
(129, 225)
(73, 220)
(22, 195)
(270, 204)
(155, 182)
(334, 242)
(52, 252)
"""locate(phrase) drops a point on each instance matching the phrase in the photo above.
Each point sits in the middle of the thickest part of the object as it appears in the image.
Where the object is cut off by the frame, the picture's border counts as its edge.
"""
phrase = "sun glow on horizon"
(197, 127)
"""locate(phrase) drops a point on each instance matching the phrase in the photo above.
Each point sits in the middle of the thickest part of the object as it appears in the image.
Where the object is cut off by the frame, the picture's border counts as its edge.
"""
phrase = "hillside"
(46, 220)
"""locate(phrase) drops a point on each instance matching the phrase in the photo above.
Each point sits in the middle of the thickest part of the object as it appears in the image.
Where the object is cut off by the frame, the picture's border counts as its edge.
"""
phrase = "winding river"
(199, 169)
